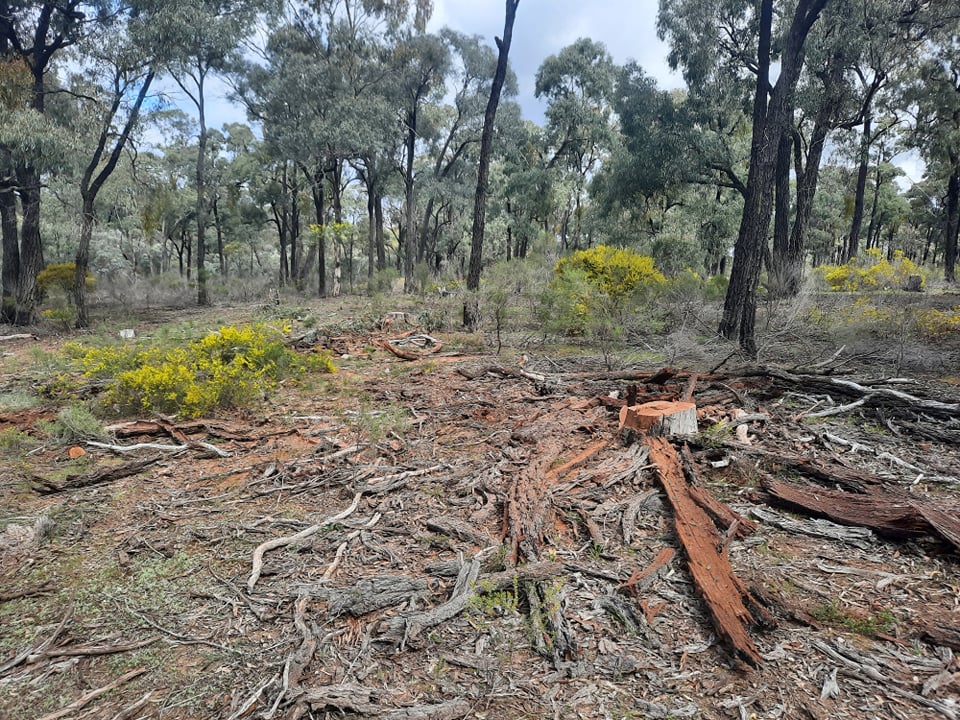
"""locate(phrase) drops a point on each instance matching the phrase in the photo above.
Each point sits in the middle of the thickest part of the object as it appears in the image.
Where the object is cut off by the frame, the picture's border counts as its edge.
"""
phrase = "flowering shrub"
(872, 271)
(227, 368)
(939, 324)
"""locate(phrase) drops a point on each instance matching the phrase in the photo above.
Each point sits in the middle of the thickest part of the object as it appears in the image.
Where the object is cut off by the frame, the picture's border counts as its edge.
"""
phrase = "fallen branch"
(303, 534)
(451, 710)
(94, 694)
(97, 477)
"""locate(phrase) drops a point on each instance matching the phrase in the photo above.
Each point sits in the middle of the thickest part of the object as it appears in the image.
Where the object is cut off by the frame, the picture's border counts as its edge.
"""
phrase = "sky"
(542, 28)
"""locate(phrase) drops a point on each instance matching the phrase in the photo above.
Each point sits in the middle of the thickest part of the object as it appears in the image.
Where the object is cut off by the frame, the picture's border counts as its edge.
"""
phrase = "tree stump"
(660, 418)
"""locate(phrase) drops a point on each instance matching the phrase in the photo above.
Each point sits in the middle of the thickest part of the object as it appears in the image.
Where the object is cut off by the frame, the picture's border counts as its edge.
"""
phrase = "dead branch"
(97, 477)
(284, 541)
(16, 660)
(94, 694)
(90, 650)
(451, 710)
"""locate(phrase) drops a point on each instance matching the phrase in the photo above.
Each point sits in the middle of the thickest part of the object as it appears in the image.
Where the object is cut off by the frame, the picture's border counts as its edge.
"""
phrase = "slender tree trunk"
(31, 247)
(87, 219)
(202, 296)
(408, 232)
(873, 232)
(381, 244)
(778, 268)
(218, 225)
(471, 313)
(371, 231)
(952, 225)
(319, 211)
(859, 199)
(11, 252)
(337, 207)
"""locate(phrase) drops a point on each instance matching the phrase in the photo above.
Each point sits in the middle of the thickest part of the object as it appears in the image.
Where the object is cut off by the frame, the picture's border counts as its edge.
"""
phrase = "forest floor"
(472, 535)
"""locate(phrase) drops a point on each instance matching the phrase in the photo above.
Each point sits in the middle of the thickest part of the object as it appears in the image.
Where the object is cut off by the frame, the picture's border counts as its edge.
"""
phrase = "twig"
(283, 541)
(93, 695)
(42, 646)
(131, 710)
(244, 709)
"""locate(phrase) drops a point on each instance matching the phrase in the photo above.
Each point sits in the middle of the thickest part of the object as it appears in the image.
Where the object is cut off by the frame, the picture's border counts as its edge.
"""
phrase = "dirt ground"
(470, 536)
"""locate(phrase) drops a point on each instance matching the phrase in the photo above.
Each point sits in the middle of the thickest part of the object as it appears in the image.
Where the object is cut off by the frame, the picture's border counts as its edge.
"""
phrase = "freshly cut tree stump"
(661, 417)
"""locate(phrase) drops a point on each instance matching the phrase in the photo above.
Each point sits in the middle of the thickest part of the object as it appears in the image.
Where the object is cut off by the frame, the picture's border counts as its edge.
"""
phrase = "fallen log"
(731, 605)
(890, 514)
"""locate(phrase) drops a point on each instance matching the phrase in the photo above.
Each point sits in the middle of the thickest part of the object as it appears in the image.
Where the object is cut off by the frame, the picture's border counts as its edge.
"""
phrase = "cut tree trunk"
(660, 418)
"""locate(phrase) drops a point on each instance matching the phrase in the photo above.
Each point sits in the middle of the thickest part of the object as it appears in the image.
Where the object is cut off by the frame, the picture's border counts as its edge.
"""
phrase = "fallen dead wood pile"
(531, 547)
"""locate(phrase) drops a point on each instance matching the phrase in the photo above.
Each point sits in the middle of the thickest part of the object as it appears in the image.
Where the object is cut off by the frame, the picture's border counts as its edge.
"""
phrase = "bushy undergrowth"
(872, 271)
(227, 368)
(592, 289)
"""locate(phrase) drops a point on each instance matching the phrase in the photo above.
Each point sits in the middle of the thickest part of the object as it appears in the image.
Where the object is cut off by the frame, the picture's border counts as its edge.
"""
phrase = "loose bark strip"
(93, 695)
(721, 513)
(640, 580)
(457, 528)
(305, 533)
(90, 650)
(97, 477)
(733, 608)
(345, 698)
(44, 589)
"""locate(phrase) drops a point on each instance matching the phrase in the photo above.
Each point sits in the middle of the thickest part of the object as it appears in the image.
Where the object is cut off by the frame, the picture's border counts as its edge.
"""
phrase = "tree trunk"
(381, 245)
(952, 226)
(873, 231)
(778, 268)
(87, 219)
(408, 232)
(218, 224)
(770, 122)
(11, 251)
(470, 312)
(31, 247)
(856, 223)
(316, 192)
(202, 296)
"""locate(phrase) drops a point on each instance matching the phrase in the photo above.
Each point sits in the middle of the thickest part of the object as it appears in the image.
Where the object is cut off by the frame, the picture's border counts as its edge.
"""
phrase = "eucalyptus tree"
(111, 90)
(470, 313)
(202, 38)
(422, 62)
(936, 98)
(577, 84)
(454, 143)
(699, 42)
(32, 36)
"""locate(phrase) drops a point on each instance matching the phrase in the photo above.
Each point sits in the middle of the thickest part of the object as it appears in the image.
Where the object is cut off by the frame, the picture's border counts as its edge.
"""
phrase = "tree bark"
(408, 233)
(202, 296)
(31, 247)
(470, 314)
(778, 268)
